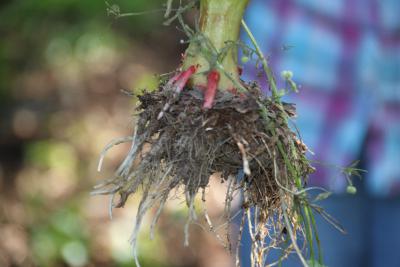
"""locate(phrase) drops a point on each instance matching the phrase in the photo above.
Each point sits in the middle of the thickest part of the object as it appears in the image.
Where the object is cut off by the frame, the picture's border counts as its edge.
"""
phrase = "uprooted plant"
(205, 120)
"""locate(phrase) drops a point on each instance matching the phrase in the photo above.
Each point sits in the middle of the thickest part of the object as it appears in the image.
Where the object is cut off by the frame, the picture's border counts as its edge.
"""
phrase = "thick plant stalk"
(244, 133)
(220, 22)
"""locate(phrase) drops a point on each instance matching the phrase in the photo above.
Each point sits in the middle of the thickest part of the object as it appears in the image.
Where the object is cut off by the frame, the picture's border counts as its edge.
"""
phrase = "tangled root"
(242, 133)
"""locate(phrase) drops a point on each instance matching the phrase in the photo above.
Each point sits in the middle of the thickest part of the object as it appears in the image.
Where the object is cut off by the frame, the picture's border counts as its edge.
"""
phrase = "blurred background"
(345, 59)
(64, 63)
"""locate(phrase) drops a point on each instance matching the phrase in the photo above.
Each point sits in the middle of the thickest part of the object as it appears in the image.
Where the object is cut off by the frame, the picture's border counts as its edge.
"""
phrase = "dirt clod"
(183, 148)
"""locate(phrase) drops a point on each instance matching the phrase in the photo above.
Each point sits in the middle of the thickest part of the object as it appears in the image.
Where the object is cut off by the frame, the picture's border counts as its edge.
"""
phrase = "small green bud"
(351, 189)
(293, 86)
(245, 59)
(287, 74)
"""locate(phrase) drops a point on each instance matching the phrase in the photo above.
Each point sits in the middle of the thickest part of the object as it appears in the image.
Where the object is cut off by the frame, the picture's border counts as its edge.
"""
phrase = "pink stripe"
(212, 83)
(183, 78)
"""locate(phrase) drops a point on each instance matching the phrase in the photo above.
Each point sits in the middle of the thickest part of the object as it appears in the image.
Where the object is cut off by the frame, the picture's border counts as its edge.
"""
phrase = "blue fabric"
(372, 239)
(345, 56)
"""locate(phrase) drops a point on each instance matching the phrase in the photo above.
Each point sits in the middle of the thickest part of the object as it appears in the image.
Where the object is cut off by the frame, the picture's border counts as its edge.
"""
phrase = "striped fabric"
(345, 56)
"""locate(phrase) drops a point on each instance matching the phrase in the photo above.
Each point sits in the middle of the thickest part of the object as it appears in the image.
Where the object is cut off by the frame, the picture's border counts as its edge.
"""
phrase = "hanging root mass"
(243, 133)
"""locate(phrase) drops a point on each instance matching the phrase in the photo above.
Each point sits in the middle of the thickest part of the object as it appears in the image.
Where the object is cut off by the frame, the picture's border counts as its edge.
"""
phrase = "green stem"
(264, 62)
(215, 45)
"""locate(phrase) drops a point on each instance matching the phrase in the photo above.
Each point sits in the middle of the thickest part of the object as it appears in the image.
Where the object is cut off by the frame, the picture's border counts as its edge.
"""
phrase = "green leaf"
(313, 263)
(322, 196)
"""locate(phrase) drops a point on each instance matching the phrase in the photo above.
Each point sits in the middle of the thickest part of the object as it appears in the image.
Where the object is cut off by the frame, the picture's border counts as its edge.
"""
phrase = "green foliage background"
(62, 67)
